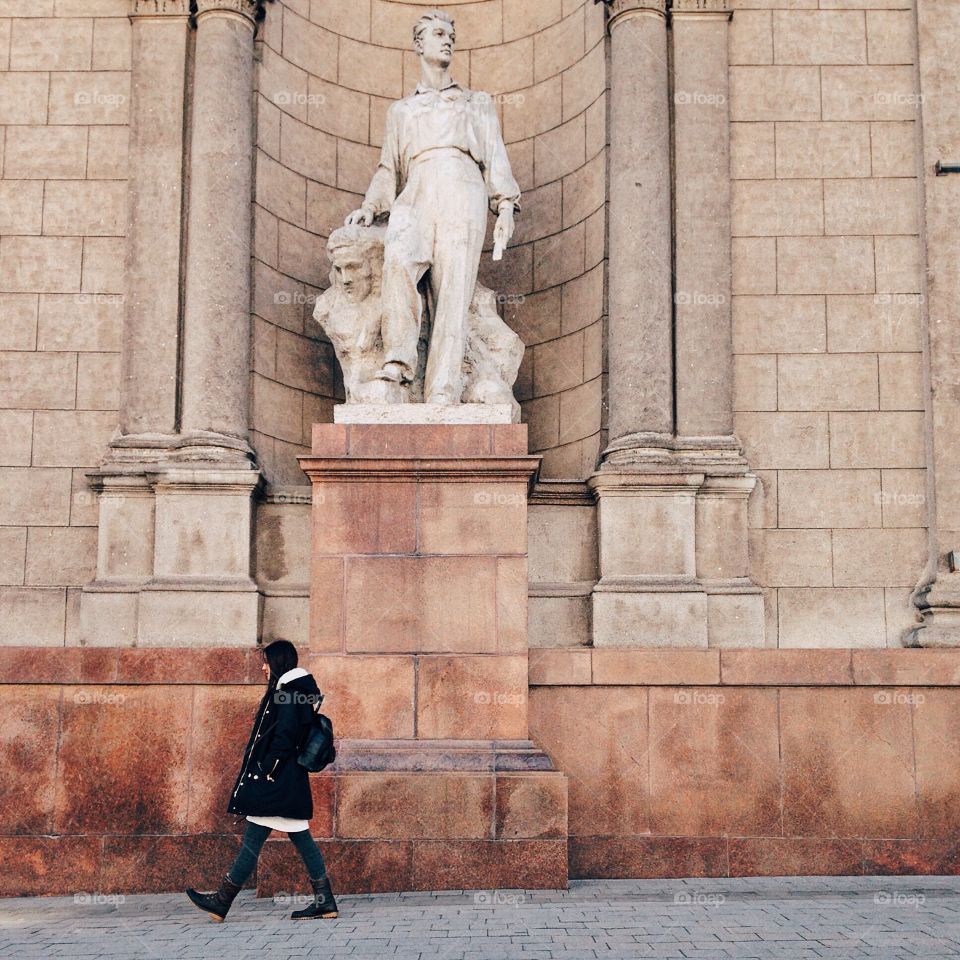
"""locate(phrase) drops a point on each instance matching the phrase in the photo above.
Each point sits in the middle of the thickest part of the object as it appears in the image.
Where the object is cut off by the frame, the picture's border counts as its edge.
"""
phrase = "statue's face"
(353, 275)
(436, 43)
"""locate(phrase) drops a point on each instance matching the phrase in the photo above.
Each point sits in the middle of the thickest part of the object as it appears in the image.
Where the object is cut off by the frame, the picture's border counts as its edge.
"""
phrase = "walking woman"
(273, 790)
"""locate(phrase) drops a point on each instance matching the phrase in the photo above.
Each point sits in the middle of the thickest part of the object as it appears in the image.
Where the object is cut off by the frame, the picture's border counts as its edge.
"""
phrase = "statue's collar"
(448, 90)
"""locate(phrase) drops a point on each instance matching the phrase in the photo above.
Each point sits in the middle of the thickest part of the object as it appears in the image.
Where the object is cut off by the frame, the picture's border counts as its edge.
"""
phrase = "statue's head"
(357, 257)
(434, 37)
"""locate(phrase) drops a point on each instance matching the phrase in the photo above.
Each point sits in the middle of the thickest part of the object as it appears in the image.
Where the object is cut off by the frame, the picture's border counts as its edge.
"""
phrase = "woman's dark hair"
(281, 655)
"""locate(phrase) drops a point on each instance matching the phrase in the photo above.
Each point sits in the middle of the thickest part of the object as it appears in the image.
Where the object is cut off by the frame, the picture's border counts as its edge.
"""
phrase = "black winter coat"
(271, 782)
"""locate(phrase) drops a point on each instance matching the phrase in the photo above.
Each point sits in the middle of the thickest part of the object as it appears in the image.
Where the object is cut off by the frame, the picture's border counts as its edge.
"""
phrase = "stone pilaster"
(937, 595)
(216, 366)
(640, 383)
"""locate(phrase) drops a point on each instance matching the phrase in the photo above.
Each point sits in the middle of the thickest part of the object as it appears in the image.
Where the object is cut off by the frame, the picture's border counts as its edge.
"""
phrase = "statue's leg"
(458, 242)
(405, 260)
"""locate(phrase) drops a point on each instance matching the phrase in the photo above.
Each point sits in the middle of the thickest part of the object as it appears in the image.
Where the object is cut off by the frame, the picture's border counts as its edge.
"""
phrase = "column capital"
(697, 9)
(245, 8)
(160, 8)
(619, 10)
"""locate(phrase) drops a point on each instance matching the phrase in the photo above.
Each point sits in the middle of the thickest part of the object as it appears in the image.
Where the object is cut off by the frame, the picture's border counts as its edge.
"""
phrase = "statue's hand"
(502, 232)
(362, 217)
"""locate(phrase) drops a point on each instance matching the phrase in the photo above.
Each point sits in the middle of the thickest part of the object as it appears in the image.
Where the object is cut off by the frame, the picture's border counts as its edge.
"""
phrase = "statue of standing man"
(443, 161)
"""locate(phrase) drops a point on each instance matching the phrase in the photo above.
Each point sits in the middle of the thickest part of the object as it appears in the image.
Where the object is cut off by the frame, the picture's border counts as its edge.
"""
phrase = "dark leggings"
(253, 840)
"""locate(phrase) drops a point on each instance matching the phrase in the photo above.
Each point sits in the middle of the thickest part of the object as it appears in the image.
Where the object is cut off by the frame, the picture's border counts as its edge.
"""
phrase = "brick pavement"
(799, 918)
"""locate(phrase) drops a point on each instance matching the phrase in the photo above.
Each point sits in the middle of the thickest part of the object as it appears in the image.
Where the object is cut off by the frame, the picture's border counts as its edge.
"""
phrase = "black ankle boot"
(323, 906)
(218, 902)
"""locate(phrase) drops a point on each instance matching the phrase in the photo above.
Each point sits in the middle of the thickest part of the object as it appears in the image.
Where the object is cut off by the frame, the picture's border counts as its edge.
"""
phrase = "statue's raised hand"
(362, 218)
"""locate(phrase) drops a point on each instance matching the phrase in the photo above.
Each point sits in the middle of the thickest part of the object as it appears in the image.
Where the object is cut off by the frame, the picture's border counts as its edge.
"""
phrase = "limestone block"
(594, 239)
(596, 117)
(901, 381)
(503, 67)
(286, 618)
(338, 111)
(521, 18)
(735, 620)
(40, 264)
(751, 37)
(94, 97)
(819, 36)
(584, 191)
(559, 258)
(108, 619)
(791, 558)
(355, 165)
(832, 617)
(891, 36)
(18, 321)
(16, 437)
(877, 439)
(754, 382)
(327, 207)
(103, 265)
(34, 496)
(37, 380)
(562, 543)
(584, 81)
(875, 323)
(312, 48)
(624, 549)
(559, 621)
(829, 498)
(903, 498)
(559, 46)
(827, 382)
(300, 256)
(721, 532)
(558, 364)
(893, 149)
(92, 8)
(307, 151)
(126, 541)
(887, 205)
(280, 190)
(21, 207)
(754, 265)
(795, 324)
(774, 93)
(881, 558)
(23, 98)
(93, 208)
(108, 152)
(381, 75)
(13, 546)
(762, 506)
(5, 26)
(111, 44)
(539, 110)
(284, 85)
(825, 265)
(62, 44)
(32, 616)
(60, 556)
(202, 535)
(545, 206)
(71, 438)
(593, 359)
(98, 381)
(181, 618)
(282, 544)
(560, 151)
(82, 322)
(899, 261)
(785, 440)
(650, 620)
(823, 150)
(868, 93)
(752, 154)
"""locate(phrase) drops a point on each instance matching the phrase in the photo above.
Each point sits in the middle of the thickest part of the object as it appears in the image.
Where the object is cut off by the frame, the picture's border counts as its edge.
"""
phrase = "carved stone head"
(434, 37)
(356, 254)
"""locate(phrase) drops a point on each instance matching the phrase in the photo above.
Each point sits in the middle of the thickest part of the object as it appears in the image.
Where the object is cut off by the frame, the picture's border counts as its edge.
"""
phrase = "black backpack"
(318, 752)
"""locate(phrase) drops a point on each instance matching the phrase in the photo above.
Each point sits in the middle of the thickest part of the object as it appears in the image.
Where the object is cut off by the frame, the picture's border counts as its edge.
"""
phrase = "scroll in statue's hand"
(502, 232)
(362, 217)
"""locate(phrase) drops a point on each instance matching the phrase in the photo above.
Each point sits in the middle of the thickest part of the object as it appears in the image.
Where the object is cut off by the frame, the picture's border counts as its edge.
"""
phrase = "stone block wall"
(827, 325)
(327, 73)
(64, 100)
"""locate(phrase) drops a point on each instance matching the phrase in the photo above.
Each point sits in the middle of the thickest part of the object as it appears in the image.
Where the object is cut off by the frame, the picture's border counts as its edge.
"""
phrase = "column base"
(939, 607)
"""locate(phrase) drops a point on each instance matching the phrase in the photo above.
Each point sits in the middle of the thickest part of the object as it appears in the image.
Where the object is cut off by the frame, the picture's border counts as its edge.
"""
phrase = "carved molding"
(624, 9)
(160, 8)
(247, 8)
(711, 7)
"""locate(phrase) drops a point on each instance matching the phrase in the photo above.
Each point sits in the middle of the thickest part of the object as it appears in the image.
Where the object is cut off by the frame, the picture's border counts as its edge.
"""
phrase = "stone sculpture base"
(428, 413)
(418, 638)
